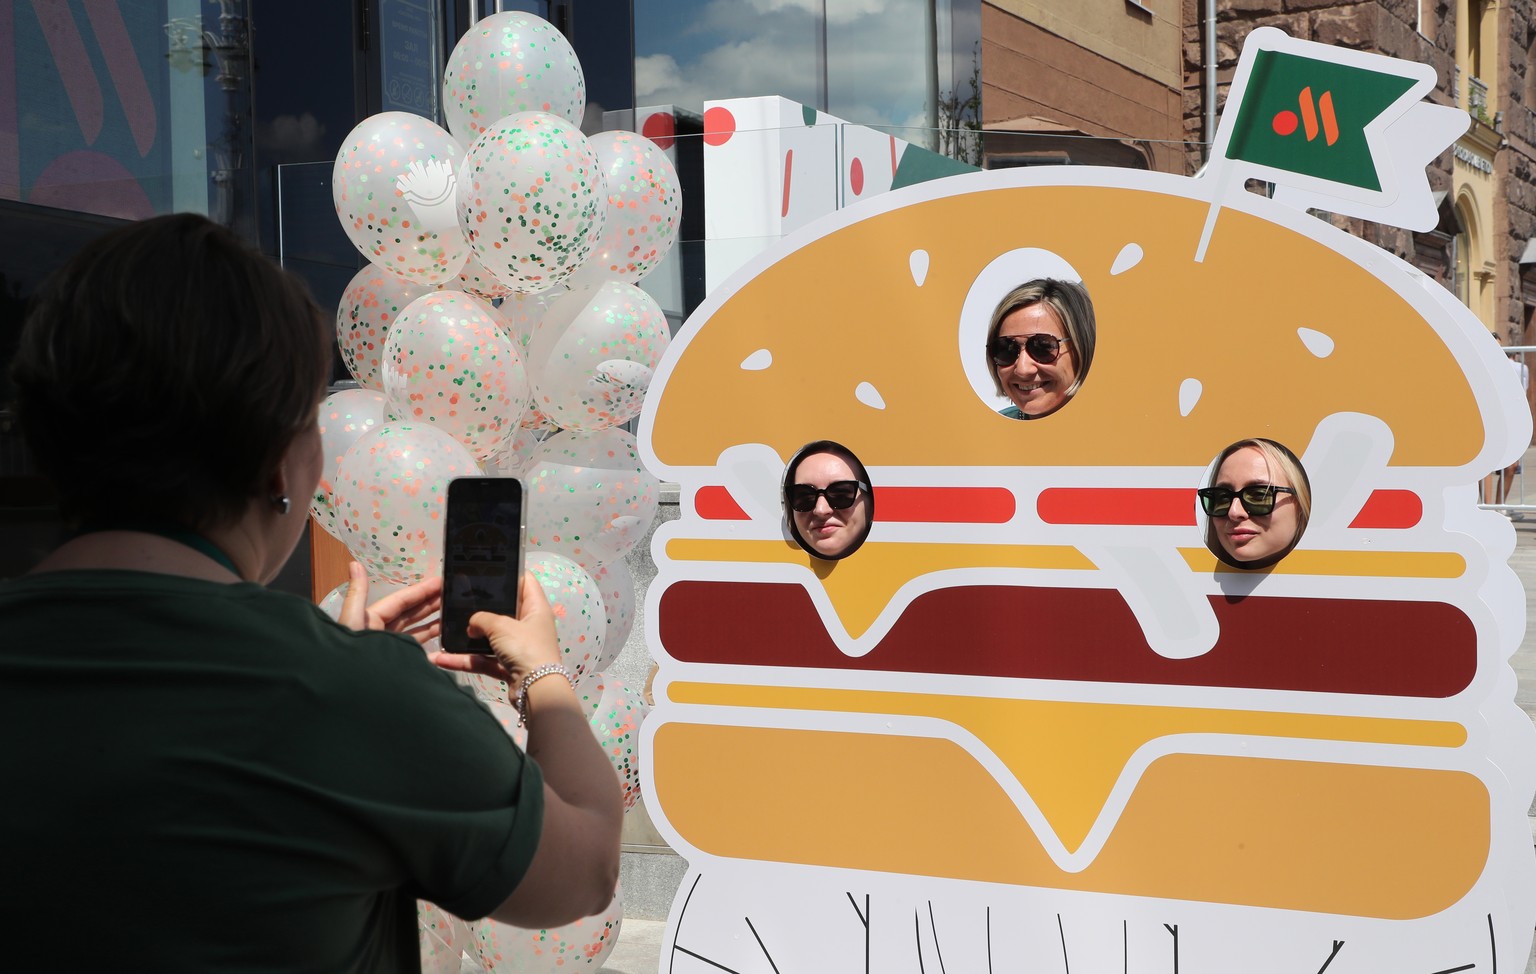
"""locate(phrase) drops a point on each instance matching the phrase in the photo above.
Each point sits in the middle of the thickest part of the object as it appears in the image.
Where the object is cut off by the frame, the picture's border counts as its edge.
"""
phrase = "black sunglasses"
(1258, 499)
(840, 495)
(1043, 348)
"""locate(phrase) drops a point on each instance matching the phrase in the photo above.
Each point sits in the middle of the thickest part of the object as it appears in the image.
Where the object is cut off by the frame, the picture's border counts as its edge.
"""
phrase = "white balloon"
(589, 496)
(344, 416)
(449, 362)
(512, 457)
(580, 619)
(394, 186)
(444, 939)
(575, 948)
(615, 714)
(643, 209)
(368, 308)
(508, 63)
(391, 494)
(521, 313)
(617, 583)
(530, 200)
(593, 354)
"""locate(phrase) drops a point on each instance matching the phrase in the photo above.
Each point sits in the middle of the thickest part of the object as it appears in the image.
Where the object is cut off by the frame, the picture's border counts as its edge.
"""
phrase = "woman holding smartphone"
(207, 775)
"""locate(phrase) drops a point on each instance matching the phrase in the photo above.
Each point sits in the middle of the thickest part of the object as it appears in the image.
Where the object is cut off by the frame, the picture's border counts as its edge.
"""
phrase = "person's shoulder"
(107, 587)
(246, 613)
(313, 627)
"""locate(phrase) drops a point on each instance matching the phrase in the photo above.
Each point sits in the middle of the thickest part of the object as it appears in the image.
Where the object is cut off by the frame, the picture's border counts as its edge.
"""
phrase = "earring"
(281, 504)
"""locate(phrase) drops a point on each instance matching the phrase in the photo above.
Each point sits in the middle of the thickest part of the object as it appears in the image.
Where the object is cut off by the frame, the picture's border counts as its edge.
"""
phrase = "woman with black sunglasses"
(827, 495)
(1257, 505)
(1040, 345)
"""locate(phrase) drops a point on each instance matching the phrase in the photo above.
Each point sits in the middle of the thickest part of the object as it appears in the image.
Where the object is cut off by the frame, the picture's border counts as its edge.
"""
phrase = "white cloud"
(655, 73)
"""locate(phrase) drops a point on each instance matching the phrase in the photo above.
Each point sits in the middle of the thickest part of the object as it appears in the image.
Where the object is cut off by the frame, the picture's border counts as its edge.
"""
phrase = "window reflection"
(891, 64)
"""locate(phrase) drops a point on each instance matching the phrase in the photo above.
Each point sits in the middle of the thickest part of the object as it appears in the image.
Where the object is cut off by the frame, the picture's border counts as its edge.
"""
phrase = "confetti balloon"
(444, 939)
(530, 200)
(616, 712)
(394, 188)
(377, 589)
(580, 619)
(512, 457)
(617, 583)
(491, 690)
(520, 314)
(644, 206)
(448, 361)
(494, 694)
(475, 279)
(368, 307)
(344, 416)
(391, 490)
(594, 353)
(575, 948)
(589, 496)
(509, 63)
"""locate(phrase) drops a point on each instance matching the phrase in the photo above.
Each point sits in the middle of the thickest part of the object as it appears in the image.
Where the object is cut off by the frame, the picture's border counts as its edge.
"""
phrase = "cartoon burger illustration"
(1033, 687)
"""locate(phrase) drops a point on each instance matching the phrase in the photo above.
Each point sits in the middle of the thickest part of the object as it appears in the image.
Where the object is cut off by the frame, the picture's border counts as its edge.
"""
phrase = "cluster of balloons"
(498, 331)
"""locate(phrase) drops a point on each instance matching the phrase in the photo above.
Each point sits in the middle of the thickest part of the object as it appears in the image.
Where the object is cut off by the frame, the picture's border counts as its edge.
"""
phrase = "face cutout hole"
(829, 503)
(1256, 502)
(1027, 333)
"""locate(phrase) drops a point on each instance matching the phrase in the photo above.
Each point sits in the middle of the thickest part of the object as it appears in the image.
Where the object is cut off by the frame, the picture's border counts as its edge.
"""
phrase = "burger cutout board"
(1033, 722)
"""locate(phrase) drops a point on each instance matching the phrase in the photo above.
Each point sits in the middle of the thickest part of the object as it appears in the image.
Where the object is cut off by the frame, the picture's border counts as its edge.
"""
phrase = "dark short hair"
(1071, 303)
(163, 372)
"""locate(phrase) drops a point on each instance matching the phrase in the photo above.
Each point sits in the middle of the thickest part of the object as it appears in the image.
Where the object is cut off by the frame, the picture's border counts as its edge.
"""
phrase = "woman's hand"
(406, 611)
(520, 645)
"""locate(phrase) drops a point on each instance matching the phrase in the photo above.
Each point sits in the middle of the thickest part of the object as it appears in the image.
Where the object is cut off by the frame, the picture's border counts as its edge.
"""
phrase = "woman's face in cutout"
(830, 533)
(1037, 389)
(1242, 535)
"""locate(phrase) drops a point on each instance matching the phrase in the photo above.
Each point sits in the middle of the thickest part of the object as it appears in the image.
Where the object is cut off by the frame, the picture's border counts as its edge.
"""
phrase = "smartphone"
(482, 556)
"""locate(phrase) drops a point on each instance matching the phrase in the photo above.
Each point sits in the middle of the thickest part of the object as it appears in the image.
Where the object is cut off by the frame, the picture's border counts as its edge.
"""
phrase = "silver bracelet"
(521, 701)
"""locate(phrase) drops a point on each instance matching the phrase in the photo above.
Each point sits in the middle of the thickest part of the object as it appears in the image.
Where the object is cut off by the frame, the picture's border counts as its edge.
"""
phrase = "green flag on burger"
(1308, 116)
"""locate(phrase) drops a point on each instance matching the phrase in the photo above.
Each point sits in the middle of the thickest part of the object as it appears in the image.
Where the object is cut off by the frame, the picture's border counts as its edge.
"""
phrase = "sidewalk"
(639, 948)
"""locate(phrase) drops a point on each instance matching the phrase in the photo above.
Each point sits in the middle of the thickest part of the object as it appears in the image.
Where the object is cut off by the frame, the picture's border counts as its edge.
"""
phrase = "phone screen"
(482, 557)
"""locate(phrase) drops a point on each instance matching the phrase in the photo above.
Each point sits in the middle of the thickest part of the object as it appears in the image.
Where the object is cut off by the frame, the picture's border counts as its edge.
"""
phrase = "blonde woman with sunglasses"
(1257, 504)
(1040, 345)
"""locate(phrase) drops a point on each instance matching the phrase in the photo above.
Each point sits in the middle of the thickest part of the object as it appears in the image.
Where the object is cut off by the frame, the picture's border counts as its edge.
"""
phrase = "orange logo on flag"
(1285, 122)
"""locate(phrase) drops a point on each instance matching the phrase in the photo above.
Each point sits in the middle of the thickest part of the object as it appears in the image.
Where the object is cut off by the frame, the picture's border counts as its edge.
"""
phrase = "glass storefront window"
(892, 66)
(410, 57)
(882, 65)
(691, 51)
(126, 110)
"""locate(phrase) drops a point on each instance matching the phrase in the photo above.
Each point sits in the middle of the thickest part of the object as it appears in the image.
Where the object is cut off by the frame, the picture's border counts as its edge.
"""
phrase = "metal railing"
(1477, 99)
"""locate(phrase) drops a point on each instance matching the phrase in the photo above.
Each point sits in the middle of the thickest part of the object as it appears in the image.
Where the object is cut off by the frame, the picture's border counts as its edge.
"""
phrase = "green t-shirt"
(206, 777)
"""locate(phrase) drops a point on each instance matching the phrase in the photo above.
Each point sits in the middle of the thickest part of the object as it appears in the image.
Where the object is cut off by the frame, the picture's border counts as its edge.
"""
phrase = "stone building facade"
(1482, 249)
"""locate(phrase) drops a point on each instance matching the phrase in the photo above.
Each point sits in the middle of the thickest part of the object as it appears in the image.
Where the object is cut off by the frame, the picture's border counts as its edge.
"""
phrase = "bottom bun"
(1286, 834)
